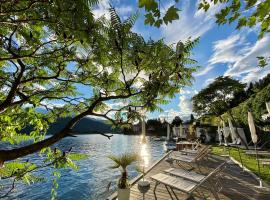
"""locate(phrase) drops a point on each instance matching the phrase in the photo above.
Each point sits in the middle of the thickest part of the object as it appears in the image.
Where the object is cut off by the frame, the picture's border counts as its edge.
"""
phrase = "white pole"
(143, 127)
(168, 131)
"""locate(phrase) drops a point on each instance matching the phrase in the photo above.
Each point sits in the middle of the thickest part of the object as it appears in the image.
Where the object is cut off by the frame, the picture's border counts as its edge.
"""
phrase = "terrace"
(235, 185)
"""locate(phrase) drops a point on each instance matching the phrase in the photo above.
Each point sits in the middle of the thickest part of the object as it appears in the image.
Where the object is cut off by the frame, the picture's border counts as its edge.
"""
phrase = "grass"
(249, 162)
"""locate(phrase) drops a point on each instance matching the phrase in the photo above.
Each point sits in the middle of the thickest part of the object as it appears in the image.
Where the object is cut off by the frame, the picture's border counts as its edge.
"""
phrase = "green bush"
(256, 103)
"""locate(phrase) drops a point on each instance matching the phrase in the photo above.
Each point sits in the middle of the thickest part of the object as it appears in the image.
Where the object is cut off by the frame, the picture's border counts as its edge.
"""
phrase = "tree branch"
(14, 88)
(7, 155)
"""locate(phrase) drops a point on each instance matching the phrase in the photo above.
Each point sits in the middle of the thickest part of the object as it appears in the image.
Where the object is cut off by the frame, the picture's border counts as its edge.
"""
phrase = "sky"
(222, 50)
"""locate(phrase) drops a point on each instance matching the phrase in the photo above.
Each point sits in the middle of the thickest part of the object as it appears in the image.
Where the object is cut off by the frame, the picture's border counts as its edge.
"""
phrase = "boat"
(169, 145)
(159, 138)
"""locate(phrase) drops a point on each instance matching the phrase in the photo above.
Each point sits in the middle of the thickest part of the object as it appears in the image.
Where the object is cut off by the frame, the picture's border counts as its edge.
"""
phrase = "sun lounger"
(184, 185)
(189, 151)
(190, 159)
(190, 175)
(251, 147)
(195, 150)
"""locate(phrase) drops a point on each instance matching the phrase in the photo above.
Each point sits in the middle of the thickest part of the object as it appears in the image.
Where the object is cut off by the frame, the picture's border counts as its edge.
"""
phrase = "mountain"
(84, 126)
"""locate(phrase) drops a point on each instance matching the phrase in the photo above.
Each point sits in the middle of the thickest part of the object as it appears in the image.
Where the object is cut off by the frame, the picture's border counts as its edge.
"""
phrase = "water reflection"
(90, 182)
(145, 155)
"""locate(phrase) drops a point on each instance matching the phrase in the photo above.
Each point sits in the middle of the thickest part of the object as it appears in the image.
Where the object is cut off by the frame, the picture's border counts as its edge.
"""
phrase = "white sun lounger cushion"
(175, 182)
(193, 176)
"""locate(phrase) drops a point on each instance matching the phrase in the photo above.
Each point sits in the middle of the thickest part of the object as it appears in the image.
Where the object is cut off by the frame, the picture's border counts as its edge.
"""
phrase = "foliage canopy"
(217, 97)
(51, 49)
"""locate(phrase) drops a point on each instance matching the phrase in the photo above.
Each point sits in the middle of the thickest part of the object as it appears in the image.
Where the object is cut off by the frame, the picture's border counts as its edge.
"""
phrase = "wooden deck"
(235, 185)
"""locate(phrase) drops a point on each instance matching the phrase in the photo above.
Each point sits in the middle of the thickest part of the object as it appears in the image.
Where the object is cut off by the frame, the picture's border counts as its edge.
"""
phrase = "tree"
(192, 119)
(177, 121)
(159, 127)
(217, 97)
(250, 90)
(49, 50)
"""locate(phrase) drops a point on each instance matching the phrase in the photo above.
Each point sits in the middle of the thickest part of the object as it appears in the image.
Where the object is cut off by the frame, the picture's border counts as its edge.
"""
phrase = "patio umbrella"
(174, 130)
(219, 135)
(226, 132)
(254, 138)
(252, 128)
(232, 129)
(181, 131)
(234, 138)
(168, 131)
(268, 106)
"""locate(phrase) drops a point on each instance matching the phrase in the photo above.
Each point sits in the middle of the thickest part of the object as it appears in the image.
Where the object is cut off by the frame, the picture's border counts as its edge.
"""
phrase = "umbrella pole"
(243, 172)
(259, 169)
(239, 153)
(257, 158)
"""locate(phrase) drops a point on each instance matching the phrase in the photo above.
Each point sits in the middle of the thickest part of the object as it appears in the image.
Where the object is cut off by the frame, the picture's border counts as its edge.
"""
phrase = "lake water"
(94, 175)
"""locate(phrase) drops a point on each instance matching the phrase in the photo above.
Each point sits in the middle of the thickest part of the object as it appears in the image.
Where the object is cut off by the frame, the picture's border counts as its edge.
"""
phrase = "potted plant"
(122, 162)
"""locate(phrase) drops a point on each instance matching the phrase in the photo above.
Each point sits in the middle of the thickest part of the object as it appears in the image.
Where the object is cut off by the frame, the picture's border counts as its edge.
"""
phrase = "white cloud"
(209, 81)
(102, 9)
(241, 56)
(193, 22)
(117, 104)
(170, 115)
(229, 50)
(204, 71)
(188, 92)
(185, 105)
(247, 63)
(256, 74)
(104, 6)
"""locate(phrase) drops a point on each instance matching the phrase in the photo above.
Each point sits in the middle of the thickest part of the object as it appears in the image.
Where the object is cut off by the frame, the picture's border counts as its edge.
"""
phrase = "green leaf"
(77, 156)
(158, 23)
(149, 19)
(251, 21)
(149, 5)
(241, 22)
(171, 14)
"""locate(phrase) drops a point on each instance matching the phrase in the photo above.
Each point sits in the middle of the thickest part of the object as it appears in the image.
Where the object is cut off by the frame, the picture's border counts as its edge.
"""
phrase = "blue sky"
(222, 49)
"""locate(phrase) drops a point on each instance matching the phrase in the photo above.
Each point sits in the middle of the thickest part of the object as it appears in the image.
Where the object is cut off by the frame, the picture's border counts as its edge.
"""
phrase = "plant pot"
(123, 194)
(143, 186)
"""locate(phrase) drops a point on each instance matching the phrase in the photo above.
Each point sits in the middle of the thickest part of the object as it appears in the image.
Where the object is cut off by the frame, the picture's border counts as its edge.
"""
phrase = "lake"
(94, 175)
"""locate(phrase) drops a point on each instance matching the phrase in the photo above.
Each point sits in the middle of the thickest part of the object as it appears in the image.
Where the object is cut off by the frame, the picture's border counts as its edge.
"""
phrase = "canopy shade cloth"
(268, 106)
